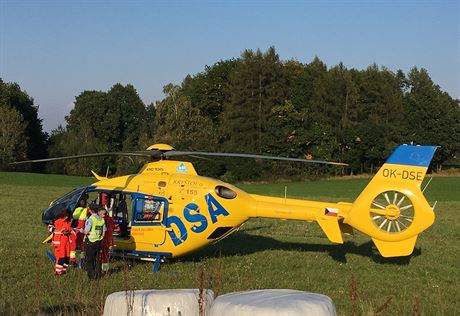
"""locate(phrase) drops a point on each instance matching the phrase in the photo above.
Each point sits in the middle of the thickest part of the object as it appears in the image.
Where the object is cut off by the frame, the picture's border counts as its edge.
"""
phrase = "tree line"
(21, 131)
(256, 103)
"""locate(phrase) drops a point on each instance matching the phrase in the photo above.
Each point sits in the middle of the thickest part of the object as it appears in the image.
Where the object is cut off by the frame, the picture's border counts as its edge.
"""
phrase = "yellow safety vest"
(97, 229)
(79, 213)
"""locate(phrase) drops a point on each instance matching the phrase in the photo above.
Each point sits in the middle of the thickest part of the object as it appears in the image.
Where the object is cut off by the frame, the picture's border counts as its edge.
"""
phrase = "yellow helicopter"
(167, 210)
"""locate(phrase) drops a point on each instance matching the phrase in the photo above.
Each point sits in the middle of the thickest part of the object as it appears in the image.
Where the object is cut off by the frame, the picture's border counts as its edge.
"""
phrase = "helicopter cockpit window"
(148, 210)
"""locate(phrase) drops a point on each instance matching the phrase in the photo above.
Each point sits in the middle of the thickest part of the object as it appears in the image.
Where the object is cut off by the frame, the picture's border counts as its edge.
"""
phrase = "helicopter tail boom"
(328, 215)
(392, 209)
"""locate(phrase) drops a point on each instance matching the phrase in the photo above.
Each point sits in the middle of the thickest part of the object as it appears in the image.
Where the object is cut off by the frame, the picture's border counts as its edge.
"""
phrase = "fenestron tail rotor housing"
(392, 212)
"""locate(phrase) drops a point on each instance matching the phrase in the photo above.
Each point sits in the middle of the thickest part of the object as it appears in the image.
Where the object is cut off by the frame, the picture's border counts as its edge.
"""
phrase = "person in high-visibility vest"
(78, 223)
(94, 231)
(61, 231)
(107, 242)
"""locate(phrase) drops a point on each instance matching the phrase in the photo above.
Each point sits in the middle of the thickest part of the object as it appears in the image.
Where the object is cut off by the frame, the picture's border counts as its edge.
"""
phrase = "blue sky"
(57, 49)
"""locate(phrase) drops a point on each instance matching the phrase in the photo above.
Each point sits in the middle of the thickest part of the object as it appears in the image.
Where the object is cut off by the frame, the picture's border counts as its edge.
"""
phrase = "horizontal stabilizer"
(330, 226)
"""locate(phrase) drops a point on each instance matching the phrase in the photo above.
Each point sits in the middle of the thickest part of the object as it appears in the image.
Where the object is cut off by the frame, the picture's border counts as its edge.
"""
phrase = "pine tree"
(256, 85)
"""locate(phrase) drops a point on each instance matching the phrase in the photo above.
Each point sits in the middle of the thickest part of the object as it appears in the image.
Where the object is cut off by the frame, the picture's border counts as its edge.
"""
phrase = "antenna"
(285, 193)
(426, 185)
(434, 205)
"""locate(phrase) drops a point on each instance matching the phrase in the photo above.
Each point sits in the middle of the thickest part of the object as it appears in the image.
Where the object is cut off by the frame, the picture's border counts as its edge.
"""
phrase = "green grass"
(441, 188)
(48, 180)
(263, 254)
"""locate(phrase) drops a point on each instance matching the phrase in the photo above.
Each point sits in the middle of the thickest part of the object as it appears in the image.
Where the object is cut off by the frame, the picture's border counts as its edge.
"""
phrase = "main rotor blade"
(199, 153)
(150, 153)
(202, 158)
(196, 154)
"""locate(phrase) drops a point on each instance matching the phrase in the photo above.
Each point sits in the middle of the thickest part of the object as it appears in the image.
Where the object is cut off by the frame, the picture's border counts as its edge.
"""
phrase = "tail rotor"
(392, 212)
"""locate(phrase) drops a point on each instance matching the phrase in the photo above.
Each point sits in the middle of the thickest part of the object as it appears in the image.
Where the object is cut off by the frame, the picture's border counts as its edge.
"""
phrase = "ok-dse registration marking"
(402, 174)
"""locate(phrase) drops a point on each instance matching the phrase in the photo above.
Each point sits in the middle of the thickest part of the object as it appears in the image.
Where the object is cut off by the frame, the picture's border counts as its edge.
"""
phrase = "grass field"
(263, 254)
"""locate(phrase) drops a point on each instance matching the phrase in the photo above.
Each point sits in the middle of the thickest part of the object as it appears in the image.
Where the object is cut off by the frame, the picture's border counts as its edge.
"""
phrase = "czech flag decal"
(329, 211)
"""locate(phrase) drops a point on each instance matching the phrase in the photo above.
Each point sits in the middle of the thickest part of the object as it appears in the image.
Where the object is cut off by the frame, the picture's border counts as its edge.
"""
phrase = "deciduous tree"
(13, 142)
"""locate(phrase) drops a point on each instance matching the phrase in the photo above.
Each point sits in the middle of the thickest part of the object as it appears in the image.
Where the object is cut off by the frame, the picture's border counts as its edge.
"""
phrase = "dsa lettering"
(199, 221)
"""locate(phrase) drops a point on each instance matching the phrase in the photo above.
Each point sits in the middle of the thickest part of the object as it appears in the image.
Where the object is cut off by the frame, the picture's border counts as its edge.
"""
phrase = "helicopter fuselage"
(168, 210)
(172, 211)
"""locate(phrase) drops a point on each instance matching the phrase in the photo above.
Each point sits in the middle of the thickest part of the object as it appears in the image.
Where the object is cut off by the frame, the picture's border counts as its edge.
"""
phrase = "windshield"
(68, 201)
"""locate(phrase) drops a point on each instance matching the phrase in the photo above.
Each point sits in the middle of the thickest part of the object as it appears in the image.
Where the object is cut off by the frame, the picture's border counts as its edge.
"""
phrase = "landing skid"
(156, 257)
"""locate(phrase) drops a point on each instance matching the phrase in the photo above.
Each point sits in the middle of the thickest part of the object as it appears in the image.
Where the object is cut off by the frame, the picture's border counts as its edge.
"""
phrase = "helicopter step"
(156, 257)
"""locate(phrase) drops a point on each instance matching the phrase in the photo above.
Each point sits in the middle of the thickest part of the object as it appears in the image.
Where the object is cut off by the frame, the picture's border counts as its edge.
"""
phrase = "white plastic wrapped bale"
(182, 302)
(277, 302)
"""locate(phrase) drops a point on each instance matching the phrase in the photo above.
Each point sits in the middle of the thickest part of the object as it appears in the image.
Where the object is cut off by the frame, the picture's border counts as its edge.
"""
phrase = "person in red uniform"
(61, 230)
(78, 224)
(107, 242)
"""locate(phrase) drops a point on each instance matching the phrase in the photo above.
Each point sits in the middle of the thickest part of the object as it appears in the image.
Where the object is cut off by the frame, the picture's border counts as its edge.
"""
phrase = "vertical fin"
(395, 248)
(100, 178)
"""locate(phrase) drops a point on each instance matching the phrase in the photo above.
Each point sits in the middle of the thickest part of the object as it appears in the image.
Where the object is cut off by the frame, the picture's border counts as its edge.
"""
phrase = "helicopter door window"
(120, 206)
(148, 210)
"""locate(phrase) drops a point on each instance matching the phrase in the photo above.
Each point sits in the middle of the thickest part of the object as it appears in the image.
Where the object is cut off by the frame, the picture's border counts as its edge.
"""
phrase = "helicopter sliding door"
(148, 224)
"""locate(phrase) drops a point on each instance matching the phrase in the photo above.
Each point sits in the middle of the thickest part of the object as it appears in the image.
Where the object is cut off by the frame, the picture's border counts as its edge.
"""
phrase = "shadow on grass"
(242, 243)
(63, 309)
